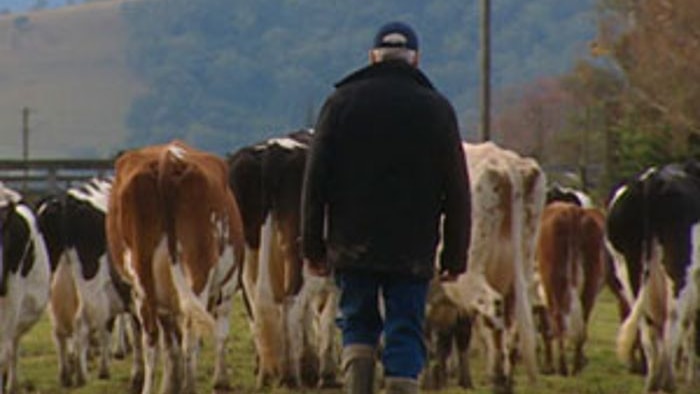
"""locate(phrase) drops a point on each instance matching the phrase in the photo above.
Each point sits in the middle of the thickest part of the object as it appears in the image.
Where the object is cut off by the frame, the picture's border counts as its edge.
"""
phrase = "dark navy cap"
(396, 35)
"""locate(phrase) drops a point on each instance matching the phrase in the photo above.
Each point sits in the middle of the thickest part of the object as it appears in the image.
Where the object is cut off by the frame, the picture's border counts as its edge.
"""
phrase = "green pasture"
(603, 374)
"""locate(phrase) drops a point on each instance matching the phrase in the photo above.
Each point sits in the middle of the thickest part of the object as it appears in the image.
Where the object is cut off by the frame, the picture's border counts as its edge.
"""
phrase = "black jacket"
(385, 164)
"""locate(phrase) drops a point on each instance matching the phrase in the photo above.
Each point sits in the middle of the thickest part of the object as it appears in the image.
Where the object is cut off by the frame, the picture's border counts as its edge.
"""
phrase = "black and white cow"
(86, 293)
(292, 312)
(557, 192)
(654, 235)
(24, 280)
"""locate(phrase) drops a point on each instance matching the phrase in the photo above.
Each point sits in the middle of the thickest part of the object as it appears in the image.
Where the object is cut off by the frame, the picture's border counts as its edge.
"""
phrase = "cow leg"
(12, 356)
(269, 314)
(561, 345)
(502, 341)
(579, 356)
(82, 346)
(103, 340)
(222, 313)
(328, 346)
(546, 332)
(693, 349)
(463, 336)
(121, 341)
(499, 379)
(137, 362)
(658, 364)
(149, 338)
(190, 345)
(443, 349)
(295, 320)
(426, 378)
(64, 361)
(560, 335)
(172, 362)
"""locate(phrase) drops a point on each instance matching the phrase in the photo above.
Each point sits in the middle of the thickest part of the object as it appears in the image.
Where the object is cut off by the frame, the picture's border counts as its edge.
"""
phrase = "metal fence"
(38, 177)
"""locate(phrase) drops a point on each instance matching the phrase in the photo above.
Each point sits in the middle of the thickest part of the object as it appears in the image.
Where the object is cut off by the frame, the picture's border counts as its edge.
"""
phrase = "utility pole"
(485, 70)
(25, 134)
(25, 146)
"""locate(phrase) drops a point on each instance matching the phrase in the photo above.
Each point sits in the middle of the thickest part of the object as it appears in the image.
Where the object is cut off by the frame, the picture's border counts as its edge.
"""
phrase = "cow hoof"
(222, 385)
(289, 382)
(103, 374)
(547, 370)
(466, 383)
(502, 385)
(80, 381)
(65, 379)
(136, 383)
(263, 381)
(329, 382)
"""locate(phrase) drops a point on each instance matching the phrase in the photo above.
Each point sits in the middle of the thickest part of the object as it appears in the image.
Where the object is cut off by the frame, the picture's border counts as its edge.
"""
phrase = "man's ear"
(416, 59)
(372, 56)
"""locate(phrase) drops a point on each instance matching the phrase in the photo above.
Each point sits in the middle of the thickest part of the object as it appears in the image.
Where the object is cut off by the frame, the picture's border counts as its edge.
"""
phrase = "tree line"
(224, 73)
(631, 104)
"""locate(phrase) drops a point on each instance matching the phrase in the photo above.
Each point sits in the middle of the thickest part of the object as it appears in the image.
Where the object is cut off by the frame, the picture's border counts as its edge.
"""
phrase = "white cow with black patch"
(86, 293)
(24, 280)
(653, 233)
(292, 312)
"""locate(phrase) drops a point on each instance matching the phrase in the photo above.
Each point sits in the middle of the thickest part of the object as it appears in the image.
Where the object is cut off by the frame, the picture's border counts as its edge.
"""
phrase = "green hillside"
(68, 66)
(102, 76)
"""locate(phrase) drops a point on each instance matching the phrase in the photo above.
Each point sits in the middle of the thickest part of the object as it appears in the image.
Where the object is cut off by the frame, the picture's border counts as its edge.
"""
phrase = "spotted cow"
(654, 235)
(571, 260)
(292, 312)
(557, 192)
(508, 195)
(24, 280)
(86, 293)
(175, 234)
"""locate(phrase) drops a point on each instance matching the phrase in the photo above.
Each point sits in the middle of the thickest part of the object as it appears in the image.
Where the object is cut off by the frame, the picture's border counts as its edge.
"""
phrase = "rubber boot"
(358, 369)
(395, 385)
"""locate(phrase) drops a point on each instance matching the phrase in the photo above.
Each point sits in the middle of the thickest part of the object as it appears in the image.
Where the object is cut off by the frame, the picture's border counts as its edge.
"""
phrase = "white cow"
(292, 312)
(85, 293)
(508, 195)
(24, 280)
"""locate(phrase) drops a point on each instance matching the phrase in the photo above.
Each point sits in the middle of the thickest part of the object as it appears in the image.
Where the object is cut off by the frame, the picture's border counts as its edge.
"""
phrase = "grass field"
(603, 374)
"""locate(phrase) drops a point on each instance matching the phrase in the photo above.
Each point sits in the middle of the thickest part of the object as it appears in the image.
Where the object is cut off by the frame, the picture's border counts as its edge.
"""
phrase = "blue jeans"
(361, 322)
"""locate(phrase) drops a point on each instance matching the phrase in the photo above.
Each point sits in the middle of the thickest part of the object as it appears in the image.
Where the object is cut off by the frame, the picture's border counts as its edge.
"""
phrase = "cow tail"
(523, 306)
(168, 197)
(627, 335)
(267, 324)
(577, 274)
(170, 168)
(191, 306)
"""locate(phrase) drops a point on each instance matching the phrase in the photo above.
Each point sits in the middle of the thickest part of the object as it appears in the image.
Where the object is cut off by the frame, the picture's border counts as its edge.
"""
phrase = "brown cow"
(175, 233)
(571, 262)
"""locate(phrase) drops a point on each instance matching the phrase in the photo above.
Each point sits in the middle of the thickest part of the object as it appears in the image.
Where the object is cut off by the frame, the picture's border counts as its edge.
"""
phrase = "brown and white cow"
(86, 295)
(559, 193)
(174, 232)
(24, 280)
(653, 232)
(508, 195)
(292, 312)
(571, 259)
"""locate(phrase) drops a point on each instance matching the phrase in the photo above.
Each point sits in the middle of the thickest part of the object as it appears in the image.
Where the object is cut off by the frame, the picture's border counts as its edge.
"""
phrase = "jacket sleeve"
(456, 226)
(314, 190)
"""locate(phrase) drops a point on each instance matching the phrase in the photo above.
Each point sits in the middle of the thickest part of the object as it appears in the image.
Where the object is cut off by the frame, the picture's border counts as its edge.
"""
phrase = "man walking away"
(386, 177)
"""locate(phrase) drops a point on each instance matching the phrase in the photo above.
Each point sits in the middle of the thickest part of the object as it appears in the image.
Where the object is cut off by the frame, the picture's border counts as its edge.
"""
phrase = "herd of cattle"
(162, 248)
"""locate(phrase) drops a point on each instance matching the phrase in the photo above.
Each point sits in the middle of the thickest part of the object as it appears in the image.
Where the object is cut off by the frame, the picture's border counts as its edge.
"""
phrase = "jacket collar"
(386, 68)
